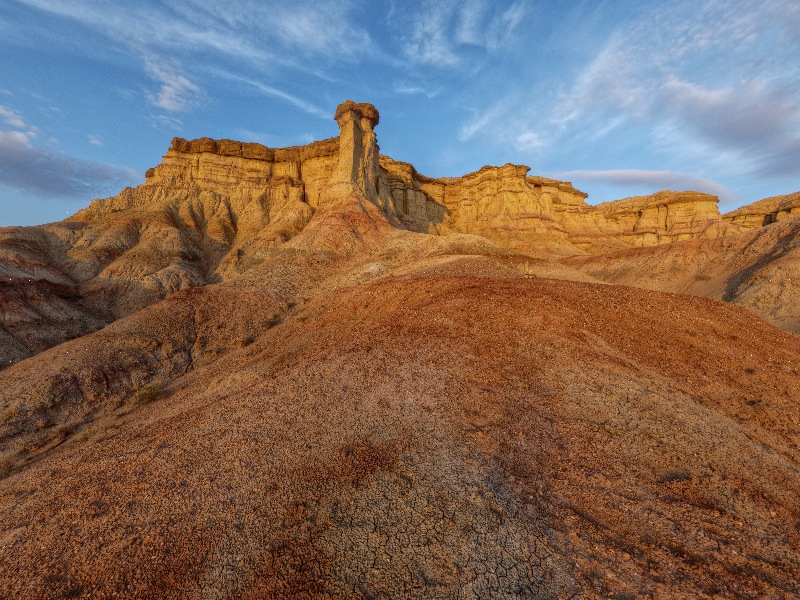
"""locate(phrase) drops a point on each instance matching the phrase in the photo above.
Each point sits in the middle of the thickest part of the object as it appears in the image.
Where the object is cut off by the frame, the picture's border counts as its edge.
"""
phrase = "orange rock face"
(765, 212)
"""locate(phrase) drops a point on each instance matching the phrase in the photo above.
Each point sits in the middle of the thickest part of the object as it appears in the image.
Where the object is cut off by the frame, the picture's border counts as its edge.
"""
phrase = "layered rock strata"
(499, 203)
(661, 218)
(536, 214)
(242, 189)
(765, 212)
(358, 170)
(212, 210)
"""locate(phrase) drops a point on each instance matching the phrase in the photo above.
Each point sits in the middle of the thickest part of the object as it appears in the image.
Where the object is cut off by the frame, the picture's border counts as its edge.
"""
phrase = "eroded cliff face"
(499, 203)
(545, 216)
(641, 221)
(214, 210)
(765, 212)
(235, 193)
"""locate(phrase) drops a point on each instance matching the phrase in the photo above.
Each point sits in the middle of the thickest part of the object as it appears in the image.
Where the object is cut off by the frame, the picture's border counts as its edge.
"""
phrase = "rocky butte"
(315, 372)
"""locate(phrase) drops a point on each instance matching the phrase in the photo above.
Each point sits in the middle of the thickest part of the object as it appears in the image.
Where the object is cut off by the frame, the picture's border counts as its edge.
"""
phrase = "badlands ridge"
(315, 372)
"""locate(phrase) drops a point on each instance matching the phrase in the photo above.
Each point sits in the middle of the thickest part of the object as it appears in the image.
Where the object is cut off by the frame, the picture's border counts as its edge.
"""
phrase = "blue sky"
(621, 97)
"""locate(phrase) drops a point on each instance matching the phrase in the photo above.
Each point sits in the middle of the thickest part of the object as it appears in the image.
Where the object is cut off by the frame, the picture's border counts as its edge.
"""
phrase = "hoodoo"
(358, 170)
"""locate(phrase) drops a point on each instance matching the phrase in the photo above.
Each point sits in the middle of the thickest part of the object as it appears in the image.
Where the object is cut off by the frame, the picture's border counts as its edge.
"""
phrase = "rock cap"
(364, 109)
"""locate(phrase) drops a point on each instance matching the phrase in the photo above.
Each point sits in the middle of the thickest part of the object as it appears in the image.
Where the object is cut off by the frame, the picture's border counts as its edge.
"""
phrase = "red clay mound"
(436, 436)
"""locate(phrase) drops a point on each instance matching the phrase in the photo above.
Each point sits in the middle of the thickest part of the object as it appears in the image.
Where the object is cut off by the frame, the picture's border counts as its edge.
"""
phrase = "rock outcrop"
(661, 218)
(233, 191)
(498, 203)
(213, 210)
(758, 269)
(358, 171)
(766, 211)
(545, 216)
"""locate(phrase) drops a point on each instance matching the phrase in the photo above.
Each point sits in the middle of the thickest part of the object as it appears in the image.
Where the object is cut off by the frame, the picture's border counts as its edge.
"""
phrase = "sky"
(620, 97)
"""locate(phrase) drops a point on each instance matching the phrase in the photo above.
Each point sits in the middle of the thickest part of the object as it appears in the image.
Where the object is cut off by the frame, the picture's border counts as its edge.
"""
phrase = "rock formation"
(661, 218)
(358, 171)
(314, 372)
(765, 212)
(214, 209)
(544, 216)
(758, 269)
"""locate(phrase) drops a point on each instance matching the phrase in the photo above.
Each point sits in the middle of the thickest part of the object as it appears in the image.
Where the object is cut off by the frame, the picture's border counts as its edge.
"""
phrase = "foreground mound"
(428, 436)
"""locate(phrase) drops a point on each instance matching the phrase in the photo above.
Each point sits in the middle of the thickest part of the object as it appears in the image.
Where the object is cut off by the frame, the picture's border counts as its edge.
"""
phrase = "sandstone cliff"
(766, 211)
(543, 216)
(234, 192)
(213, 210)
(661, 218)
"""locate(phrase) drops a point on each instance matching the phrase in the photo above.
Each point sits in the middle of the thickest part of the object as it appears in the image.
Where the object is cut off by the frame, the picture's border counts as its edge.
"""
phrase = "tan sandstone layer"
(766, 211)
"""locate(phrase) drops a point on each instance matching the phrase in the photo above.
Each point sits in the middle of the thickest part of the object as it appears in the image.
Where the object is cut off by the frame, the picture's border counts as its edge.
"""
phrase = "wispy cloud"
(721, 76)
(443, 29)
(165, 121)
(495, 115)
(176, 91)
(528, 140)
(274, 92)
(756, 118)
(410, 89)
(482, 23)
(658, 180)
(651, 72)
(49, 173)
(611, 80)
(94, 140)
(12, 118)
(195, 34)
(429, 41)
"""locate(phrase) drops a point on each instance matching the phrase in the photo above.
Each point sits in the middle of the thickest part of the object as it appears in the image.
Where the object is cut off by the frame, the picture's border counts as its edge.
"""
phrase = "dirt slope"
(435, 436)
(758, 269)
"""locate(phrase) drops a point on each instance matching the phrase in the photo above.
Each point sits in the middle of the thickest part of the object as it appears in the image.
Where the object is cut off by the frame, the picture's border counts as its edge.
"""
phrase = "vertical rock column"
(358, 171)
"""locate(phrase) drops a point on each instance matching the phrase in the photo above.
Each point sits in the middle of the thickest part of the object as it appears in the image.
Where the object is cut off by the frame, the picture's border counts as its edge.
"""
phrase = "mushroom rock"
(358, 168)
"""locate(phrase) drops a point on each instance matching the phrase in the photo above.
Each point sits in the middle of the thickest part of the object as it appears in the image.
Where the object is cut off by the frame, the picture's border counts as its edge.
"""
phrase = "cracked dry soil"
(424, 436)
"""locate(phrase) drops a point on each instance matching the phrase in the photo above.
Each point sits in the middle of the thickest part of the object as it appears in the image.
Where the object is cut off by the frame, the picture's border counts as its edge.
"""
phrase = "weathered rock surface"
(765, 212)
(758, 269)
(425, 436)
(544, 216)
(661, 218)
